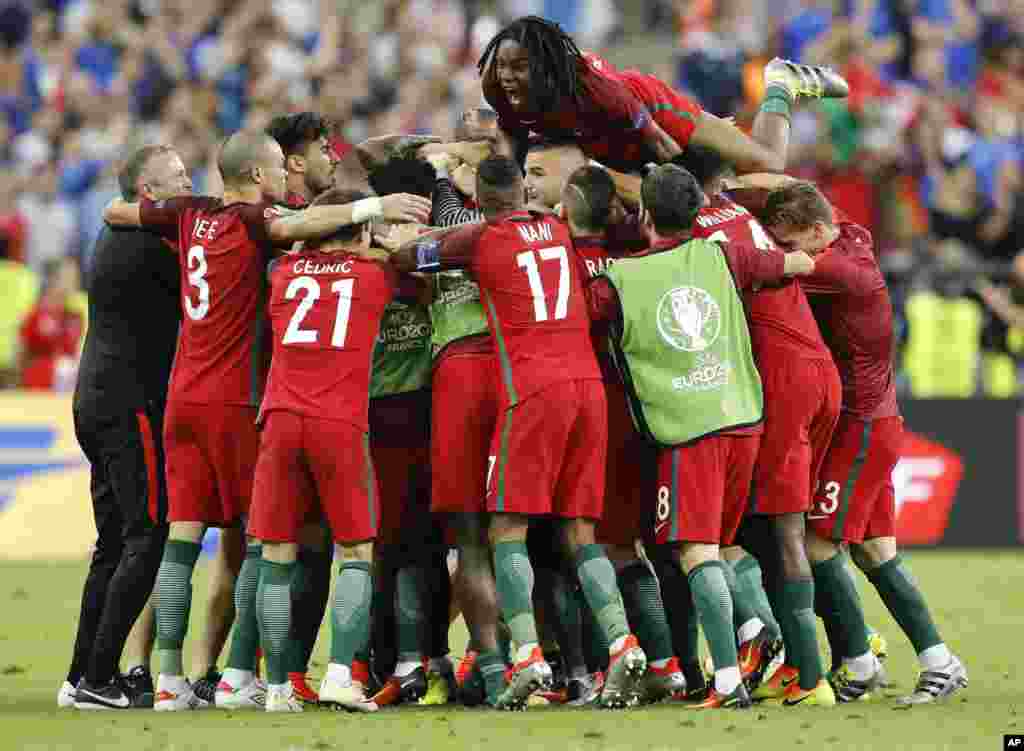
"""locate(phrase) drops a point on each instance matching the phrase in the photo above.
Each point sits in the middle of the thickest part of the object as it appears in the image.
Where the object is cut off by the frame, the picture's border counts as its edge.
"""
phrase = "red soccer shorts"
(548, 453)
(676, 114)
(703, 489)
(404, 479)
(465, 411)
(308, 465)
(801, 406)
(211, 452)
(855, 499)
(629, 475)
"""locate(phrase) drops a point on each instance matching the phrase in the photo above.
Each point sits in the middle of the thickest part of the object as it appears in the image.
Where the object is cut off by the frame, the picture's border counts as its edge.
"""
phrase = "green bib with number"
(456, 311)
(401, 358)
(683, 347)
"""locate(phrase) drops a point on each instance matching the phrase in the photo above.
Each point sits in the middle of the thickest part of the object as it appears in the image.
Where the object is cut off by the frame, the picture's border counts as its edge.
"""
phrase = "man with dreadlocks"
(538, 80)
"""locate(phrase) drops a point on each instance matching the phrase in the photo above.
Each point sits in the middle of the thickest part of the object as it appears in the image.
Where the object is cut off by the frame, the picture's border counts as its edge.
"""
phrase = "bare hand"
(397, 235)
(464, 178)
(799, 264)
(443, 161)
(405, 207)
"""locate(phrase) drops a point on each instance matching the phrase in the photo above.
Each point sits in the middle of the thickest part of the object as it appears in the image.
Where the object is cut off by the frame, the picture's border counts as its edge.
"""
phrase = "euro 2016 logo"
(689, 319)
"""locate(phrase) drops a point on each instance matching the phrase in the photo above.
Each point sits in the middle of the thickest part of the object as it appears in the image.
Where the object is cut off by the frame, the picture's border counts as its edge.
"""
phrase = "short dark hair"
(295, 132)
(547, 144)
(497, 177)
(339, 197)
(240, 152)
(703, 163)
(404, 175)
(672, 197)
(589, 203)
(798, 205)
(132, 169)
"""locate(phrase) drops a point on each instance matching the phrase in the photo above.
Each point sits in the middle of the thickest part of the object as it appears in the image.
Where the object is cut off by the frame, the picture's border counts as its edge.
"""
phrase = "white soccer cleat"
(349, 696)
(625, 672)
(66, 696)
(174, 694)
(253, 695)
(934, 685)
(283, 699)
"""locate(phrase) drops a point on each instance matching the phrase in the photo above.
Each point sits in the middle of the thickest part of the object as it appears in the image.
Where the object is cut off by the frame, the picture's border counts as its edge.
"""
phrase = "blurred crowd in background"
(927, 150)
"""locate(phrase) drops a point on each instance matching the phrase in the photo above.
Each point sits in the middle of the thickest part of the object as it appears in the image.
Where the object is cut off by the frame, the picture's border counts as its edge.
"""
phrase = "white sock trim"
(749, 629)
(525, 650)
(863, 666)
(237, 678)
(727, 679)
(341, 674)
(935, 658)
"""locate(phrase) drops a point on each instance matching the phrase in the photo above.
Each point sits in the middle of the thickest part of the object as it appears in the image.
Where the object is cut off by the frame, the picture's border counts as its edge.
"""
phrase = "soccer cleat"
(109, 696)
(253, 695)
(809, 81)
(626, 668)
(528, 676)
(66, 696)
(439, 689)
(710, 698)
(398, 690)
(847, 688)
(348, 696)
(473, 692)
(301, 688)
(755, 656)
(283, 699)
(138, 686)
(933, 685)
(821, 695)
(585, 691)
(205, 688)
(176, 695)
(777, 685)
(661, 683)
(465, 667)
(880, 648)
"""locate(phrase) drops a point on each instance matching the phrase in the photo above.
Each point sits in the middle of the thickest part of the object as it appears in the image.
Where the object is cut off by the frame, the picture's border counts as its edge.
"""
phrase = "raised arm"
(318, 221)
(448, 248)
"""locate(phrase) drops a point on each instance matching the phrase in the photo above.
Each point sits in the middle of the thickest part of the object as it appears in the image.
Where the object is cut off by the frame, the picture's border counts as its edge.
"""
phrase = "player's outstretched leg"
(239, 687)
(942, 673)
(757, 632)
(840, 603)
(311, 588)
(645, 610)
(627, 662)
(350, 621)
(514, 578)
(173, 593)
(274, 610)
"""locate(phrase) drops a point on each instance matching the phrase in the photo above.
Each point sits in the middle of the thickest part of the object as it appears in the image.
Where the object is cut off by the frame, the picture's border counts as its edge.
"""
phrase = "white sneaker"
(933, 685)
(283, 699)
(175, 694)
(66, 696)
(350, 696)
(253, 695)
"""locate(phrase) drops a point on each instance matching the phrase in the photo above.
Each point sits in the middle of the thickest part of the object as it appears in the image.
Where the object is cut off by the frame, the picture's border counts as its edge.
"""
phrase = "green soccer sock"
(904, 600)
(800, 630)
(595, 645)
(410, 613)
(837, 592)
(750, 584)
(492, 668)
(777, 101)
(173, 602)
(646, 611)
(350, 613)
(568, 625)
(311, 586)
(513, 575)
(824, 608)
(601, 590)
(245, 634)
(743, 610)
(274, 598)
(714, 609)
(682, 616)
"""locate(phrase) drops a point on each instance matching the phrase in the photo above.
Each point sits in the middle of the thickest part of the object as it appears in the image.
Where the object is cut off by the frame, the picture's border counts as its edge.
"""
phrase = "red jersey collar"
(673, 241)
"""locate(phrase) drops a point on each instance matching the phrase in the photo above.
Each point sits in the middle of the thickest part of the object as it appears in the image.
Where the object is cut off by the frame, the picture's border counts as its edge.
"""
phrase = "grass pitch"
(976, 598)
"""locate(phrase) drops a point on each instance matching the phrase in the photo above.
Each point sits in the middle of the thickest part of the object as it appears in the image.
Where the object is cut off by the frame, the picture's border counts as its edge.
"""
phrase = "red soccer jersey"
(325, 309)
(780, 317)
(223, 252)
(850, 300)
(532, 291)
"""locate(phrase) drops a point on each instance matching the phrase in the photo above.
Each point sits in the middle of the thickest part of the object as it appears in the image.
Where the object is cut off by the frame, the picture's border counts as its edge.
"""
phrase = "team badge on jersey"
(689, 319)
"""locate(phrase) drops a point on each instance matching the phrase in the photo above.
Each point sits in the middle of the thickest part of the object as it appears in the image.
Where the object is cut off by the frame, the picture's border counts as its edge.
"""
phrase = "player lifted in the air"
(538, 80)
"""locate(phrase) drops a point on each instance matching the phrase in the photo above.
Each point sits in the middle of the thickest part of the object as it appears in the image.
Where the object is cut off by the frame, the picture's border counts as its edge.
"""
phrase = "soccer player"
(683, 347)
(310, 163)
(537, 80)
(592, 208)
(326, 305)
(855, 502)
(118, 409)
(801, 395)
(548, 450)
(210, 433)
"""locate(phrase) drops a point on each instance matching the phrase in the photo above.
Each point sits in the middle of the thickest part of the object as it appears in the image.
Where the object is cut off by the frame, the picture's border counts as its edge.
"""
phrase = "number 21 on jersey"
(310, 289)
(527, 260)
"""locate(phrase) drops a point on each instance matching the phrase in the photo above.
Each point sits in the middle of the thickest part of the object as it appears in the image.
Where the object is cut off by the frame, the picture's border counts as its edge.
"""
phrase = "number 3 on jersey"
(295, 334)
(197, 269)
(528, 260)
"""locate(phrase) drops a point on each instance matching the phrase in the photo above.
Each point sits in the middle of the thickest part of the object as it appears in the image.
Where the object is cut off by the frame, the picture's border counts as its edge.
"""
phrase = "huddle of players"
(708, 408)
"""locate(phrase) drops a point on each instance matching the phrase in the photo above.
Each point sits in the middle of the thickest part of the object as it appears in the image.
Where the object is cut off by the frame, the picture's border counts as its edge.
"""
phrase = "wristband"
(366, 208)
